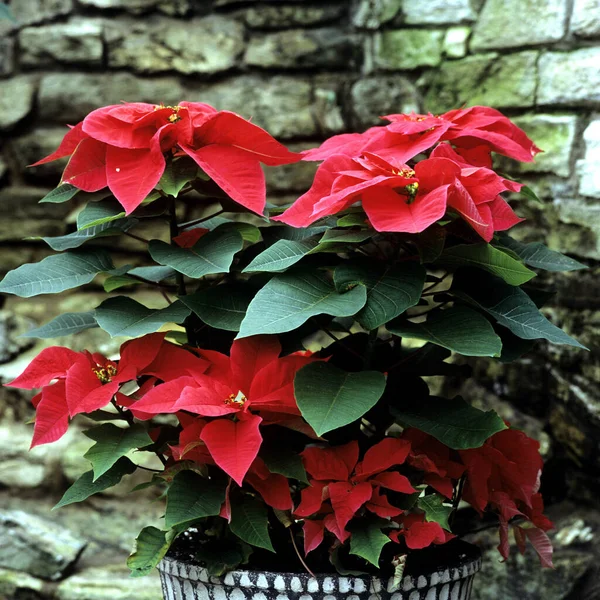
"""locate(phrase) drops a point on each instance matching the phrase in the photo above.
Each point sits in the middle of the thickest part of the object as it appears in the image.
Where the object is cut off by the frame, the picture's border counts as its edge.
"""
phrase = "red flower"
(340, 485)
(123, 146)
(418, 533)
(87, 382)
(252, 379)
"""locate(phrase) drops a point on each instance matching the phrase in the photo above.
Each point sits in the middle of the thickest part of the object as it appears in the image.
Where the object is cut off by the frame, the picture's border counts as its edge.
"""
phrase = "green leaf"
(358, 219)
(345, 236)
(223, 555)
(436, 510)
(177, 173)
(150, 547)
(538, 256)
(223, 306)
(213, 253)
(390, 290)
(65, 324)
(530, 194)
(250, 522)
(489, 259)
(281, 255)
(112, 443)
(459, 329)
(77, 238)
(453, 422)
(284, 462)
(85, 486)
(62, 193)
(114, 282)
(191, 497)
(98, 213)
(509, 305)
(124, 316)
(367, 541)
(56, 273)
(289, 300)
(430, 243)
(329, 398)
(154, 274)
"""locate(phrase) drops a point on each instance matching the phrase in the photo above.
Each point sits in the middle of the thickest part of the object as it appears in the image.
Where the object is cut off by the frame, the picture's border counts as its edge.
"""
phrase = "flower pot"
(439, 573)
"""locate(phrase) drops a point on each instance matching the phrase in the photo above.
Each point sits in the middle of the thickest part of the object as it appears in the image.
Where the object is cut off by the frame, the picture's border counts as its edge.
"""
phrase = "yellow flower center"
(105, 374)
(236, 400)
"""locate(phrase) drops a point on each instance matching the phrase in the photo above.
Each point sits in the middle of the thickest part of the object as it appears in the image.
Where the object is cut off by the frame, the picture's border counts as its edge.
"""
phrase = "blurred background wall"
(305, 70)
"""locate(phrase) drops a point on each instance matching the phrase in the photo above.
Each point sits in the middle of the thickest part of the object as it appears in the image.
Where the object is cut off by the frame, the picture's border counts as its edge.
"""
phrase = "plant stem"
(174, 232)
(139, 238)
(201, 220)
(299, 555)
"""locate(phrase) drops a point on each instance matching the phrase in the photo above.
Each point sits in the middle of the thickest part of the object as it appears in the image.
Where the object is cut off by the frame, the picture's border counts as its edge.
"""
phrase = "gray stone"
(32, 147)
(374, 97)
(302, 49)
(513, 23)
(201, 45)
(136, 7)
(570, 78)
(15, 585)
(437, 12)
(297, 177)
(111, 582)
(399, 49)
(16, 100)
(585, 20)
(269, 16)
(3, 169)
(555, 135)
(588, 168)
(586, 235)
(11, 327)
(455, 41)
(28, 12)
(489, 79)
(78, 41)
(372, 14)
(7, 55)
(38, 547)
(326, 109)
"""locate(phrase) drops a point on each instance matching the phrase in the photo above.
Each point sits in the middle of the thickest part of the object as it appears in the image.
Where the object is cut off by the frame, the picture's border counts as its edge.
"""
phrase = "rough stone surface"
(513, 23)
(438, 12)
(37, 547)
(407, 49)
(489, 79)
(27, 12)
(570, 78)
(33, 146)
(136, 7)
(585, 20)
(7, 56)
(588, 169)
(269, 16)
(374, 97)
(20, 586)
(455, 41)
(301, 49)
(207, 45)
(16, 100)
(372, 14)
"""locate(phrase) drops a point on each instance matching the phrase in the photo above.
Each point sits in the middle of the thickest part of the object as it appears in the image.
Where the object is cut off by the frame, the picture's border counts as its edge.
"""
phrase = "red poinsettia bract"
(340, 486)
(123, 147)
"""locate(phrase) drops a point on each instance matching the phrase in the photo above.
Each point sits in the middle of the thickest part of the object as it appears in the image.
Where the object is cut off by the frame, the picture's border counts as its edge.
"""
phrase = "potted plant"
(289, 409)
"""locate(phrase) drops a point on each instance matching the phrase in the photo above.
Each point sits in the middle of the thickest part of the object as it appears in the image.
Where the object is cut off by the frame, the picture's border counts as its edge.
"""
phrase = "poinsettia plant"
(283, 383)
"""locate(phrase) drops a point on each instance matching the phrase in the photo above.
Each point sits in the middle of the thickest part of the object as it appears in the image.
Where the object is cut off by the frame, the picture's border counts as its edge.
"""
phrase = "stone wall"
(306, 70)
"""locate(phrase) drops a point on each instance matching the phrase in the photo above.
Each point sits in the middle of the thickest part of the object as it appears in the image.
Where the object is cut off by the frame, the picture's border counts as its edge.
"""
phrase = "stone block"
(16, 100)
(15, 584)
(38, 547)
(438, 12)
(372, 14)
(34, 146)
(29, 12)
(285, 16)
(297, 177)
(584, 219)
(137, 7)
(514, 23)
(588, 168)
(585, 20)
(79, 41)
(373, 97)
(570, 78)
(400, 49)
(455, 41)
(302, 49)
(197, 46)
(7, 55)
(498, 81)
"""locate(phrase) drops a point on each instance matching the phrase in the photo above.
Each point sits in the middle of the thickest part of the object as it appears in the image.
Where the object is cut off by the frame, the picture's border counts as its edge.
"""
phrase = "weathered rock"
(373, 97)
(296, 177)
(372, 14)
(269, 16)
(455, 41)
(136, 7)
(15, 585)
(38, 547)
(11, 327)
(399, 49)
(110, 582)
(489, 79)
(28, 12)
(200, 45)
(33, 146)
(299, 49)
(570, 78)
(16, 100)
(585, 20)
(3, 169)
(327, 109)
(438, 12)
(588, 168)
(555, 135)
(508, 23)
(78, 41)
(7, 55)
(583, 238)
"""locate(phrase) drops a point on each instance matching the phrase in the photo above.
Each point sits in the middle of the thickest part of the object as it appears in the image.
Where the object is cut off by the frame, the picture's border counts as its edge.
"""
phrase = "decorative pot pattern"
(186, 581)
